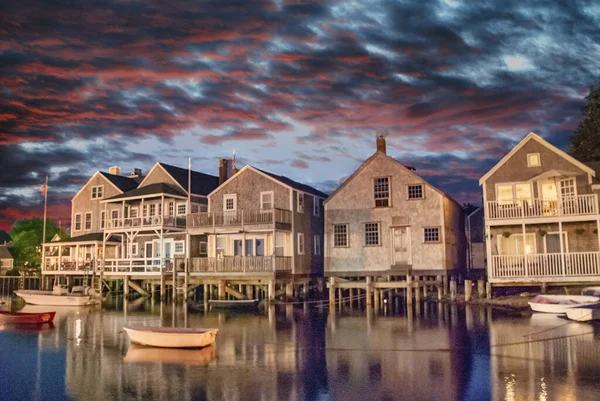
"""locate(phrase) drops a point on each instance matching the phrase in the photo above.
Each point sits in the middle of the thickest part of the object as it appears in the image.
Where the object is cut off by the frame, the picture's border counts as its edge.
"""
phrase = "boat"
(139, 353)
(560, 303)
(26, 318)
(584, 313)
(591, 291)
(59, 296)
(233, 304)
(171, 337)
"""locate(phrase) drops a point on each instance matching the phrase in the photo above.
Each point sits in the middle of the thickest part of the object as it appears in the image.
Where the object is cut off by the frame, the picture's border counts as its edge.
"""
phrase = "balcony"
(145, 222)
(241, 264)
(240, 218)
(143, 265)
(582, 266)
(581, 205)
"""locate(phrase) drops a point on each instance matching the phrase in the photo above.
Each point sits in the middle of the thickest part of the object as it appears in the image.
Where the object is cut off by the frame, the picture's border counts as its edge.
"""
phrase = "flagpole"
(45, 203)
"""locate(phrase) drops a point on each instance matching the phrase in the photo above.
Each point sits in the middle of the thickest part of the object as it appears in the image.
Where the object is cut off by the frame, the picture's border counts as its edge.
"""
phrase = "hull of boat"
(559, 304)
(171, 337)
(138, 353)
(47, 298)
(26, 318)
(591, 291)
(233, 304)
(584, 314)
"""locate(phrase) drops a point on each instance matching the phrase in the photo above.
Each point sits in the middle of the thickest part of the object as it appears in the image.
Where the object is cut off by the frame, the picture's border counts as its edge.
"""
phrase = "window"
(195, 207)
(249, 247)
(513, 244)
(300, 202)
(533, 160)
(145, 211)
(266, 200)
(431, 234)
(415, 191)
(114, 214)
(97, 192)
(152, 210)
(513, 193)
(317, 244)
(552, 242)
(181, 209)
(381, 191)
(371, 234)
(133, 212)
(179, 248)
(280, 244)
(220, 246)
(230, 202)
(300, 244)
(316, 206)
(203, 248)
(78, 222)
(260, 246)
(340, 235)
(134, 249)
(171, 208)
(159, 209)
(102, 219)
(88, 221)
(567, 188)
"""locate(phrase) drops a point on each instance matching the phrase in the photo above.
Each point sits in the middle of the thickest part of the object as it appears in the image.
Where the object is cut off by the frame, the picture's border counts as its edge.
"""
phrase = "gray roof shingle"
(202, 184)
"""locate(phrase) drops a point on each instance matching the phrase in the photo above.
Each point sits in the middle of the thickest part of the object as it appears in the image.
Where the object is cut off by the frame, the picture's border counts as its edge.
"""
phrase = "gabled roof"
(123, 183)
(534, 137)
(294, 184)
(4, 237)
(5, 252)
(152, 189)
(201, 184)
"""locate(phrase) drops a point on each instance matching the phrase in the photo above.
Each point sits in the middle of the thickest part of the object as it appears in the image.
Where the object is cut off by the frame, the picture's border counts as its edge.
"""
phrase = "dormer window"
(533, 160)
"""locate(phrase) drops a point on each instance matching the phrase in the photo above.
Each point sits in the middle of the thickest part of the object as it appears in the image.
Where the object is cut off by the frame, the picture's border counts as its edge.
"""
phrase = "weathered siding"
(454, 239)
(354, 205)
(158, 175)
(309, 225)
(515, 169)
(83, 203)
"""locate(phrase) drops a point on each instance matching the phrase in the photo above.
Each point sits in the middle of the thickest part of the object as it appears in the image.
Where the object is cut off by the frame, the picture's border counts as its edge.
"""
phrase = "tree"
(27, 240)
(585, 143)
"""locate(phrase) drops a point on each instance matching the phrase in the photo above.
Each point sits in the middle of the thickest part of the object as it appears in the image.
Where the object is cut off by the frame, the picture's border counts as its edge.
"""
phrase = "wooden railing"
(574, 264)
(68, 264)
(143, 265)
(529, 208)
(240, 264)
(239, 218)
(154, 221)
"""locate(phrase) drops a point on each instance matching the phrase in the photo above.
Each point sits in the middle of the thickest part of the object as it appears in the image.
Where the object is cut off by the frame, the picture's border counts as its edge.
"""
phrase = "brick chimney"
(381, 143)
(223, 170)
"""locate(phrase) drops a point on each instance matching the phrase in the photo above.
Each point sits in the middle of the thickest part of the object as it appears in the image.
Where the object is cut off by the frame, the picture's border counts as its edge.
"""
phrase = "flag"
(43, 188)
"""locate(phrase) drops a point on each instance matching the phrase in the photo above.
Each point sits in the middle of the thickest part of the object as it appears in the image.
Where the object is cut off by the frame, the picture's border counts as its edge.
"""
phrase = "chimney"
(223, 167)
(114, 170)
(137, 172)
(381, 143)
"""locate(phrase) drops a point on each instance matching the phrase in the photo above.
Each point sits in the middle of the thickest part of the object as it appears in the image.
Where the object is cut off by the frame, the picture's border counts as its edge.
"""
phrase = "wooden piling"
(125, 286)
(368, 291)
(289, 291)
(445, 284)
(162, 286)
(480, 289)
(418, 290)
(376, 298)
(468, 288)
(271, 291)
(488, 290)
(452, 289)
(439, 287)
(331, 291)
(409, 290)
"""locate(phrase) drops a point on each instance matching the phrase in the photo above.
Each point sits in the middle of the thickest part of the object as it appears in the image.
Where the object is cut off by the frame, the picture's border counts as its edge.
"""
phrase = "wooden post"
(222, 284)
(331, 291)
(376, 298)
(368, 286)
(340, 297)
(445, 284)
(468, 288)
(544, 288)
(481, 289)
(125, 286)
(351, 296)
(425, 279)
(409, 290)
(452, 289)
(488, 290)
(289, 291)
(418, 290)
(271, 291)
(305, 289)
(162, 284)
(439, 287)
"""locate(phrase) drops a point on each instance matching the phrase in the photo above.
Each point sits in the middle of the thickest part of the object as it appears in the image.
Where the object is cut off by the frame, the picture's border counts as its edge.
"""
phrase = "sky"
(298, 88)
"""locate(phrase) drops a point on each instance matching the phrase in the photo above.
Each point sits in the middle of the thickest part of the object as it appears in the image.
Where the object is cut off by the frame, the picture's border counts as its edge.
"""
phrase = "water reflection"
(433, 352)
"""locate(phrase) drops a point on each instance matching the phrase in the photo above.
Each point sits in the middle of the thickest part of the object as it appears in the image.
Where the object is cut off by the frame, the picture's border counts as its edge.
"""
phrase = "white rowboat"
(584, 313)
(171, 337)
(59, 296)
(560, 303)
(591, 291)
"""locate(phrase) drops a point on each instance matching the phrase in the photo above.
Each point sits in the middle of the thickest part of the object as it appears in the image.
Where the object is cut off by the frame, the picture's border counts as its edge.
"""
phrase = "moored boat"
(171, 337)
(139, 353)
(560, 303)
(591, 291)
(26, 318)
(584, 313)
(234, 304)
(59, 296)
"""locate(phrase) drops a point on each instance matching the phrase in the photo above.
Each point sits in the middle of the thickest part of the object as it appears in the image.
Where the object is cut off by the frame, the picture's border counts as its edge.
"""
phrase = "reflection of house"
(6, 258)
(541, 216)
(386, 220)
(475, 232)
(259, 222)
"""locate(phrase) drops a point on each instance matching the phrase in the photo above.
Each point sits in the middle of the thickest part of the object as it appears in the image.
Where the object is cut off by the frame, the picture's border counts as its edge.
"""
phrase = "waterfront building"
(386, 221)
(475, 234)
(6, 258)
(541, 217)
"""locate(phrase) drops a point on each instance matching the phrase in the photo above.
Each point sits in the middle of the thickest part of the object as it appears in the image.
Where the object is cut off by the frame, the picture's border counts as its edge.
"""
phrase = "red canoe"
(29, 318)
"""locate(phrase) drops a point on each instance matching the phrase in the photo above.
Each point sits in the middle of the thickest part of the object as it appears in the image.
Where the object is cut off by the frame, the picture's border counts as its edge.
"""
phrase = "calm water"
(437, 352)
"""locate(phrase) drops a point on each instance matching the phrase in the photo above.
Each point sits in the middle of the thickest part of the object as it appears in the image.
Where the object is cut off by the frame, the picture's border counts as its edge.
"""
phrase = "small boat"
(560, 303)
(234, 304)
(584, 313)
(591, 291)
(139, 353)
(171, 337)
(26, 318)
(59, 296)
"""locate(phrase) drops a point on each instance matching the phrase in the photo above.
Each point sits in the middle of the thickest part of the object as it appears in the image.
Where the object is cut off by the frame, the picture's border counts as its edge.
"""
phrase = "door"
(553, 243)
(402, 246)
(168, 253)
(237, 247)
(549, 198)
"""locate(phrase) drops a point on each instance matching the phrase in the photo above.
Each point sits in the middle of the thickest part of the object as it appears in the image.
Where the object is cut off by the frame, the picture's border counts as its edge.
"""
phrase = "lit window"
(533, 160)
(300, 244)
(381, 192)
(415, 191)
(371, 233)
(431, 234)
(340, 235)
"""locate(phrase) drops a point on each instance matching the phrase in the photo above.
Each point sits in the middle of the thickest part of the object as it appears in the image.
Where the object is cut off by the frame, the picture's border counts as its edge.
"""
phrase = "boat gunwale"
(171, 330)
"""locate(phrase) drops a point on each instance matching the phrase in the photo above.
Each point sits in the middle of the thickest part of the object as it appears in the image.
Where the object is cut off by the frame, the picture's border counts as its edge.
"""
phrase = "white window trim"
(301, 251)
(298, 196)
(152, 209)
(200, 248)
(80, 222)
(439, 235)
(364, 233)
(184, 204)
(111, 214)
(317, 244)
(226, 198)
(91, 221)
(389, 194)
(559, 186)
(499, 247)
(134, 249)
(272, 193)
(145, 210)
(565, 241)
(316, 207)
(539, 160)
(514, 189)
(151, 249)
(96, 188)
(347, 236)
(137, 212)
(175, 243)
(102, 220)
(414, 185)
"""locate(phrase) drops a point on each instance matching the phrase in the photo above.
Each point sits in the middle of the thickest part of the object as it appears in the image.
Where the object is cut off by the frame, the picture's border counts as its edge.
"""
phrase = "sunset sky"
(298, 88)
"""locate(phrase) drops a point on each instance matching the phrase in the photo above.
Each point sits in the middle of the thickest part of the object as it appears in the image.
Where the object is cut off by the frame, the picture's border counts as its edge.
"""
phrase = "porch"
(241, 264)
(238, 219)
(573, 266)
(524, 208)
(151, 222)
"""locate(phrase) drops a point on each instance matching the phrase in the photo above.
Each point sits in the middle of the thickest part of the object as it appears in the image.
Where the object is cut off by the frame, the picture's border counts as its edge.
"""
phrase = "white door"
(168, 253)
(402, 246)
